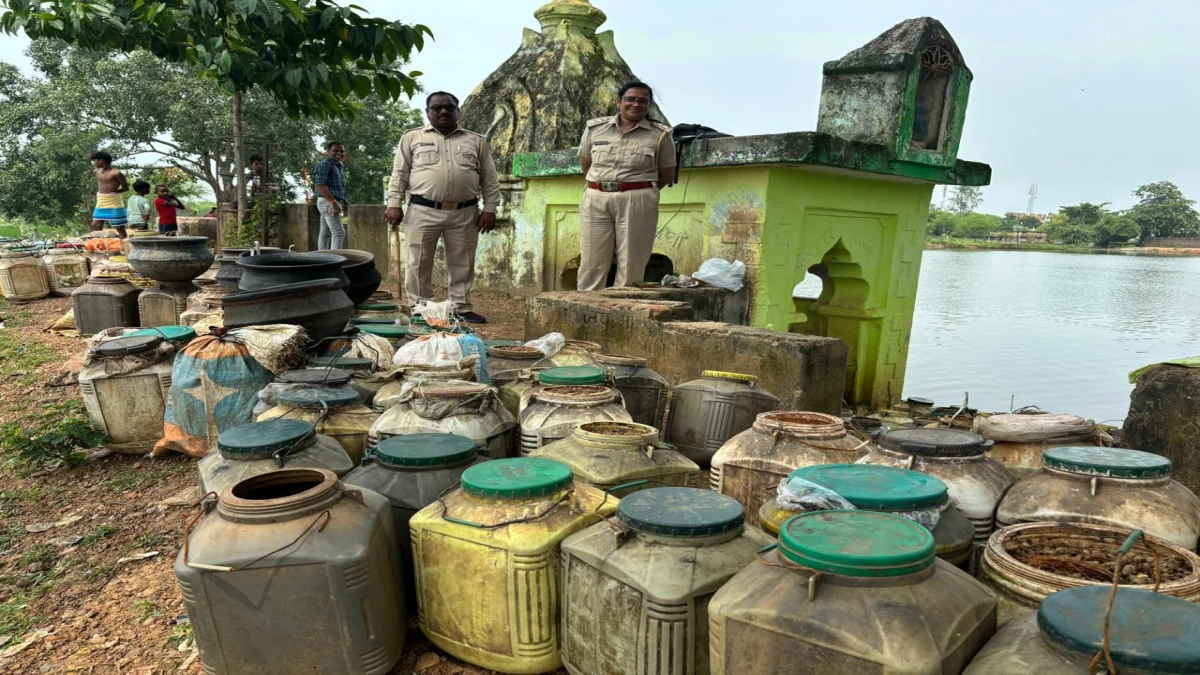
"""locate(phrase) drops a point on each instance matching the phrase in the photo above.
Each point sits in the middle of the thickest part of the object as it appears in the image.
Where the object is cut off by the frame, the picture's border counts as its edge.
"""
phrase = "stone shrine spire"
(558, 79)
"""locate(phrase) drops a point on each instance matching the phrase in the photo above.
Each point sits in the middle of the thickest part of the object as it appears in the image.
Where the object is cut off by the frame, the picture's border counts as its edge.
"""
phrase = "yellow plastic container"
(608, 454)
(334, 412)
(487, 561)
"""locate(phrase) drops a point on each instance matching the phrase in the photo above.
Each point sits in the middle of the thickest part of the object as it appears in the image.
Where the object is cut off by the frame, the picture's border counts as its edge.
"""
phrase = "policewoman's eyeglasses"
(636, 100)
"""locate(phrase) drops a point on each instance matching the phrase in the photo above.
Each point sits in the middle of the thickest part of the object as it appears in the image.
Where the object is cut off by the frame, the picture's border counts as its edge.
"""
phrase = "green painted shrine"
(848, 202)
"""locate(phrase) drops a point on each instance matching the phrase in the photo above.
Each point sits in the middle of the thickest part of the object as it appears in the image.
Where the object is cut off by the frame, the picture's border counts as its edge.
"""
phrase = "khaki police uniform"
(611, 219)
(449, 169)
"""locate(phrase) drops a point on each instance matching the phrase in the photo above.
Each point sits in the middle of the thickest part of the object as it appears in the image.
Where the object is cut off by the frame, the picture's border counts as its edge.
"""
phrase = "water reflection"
(1056, 330)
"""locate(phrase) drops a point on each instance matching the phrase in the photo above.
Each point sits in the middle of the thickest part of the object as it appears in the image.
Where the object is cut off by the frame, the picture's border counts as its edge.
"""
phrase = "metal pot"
(229, 273)
(320, 307)
(360, 269)
(178, 259)
(277, 269)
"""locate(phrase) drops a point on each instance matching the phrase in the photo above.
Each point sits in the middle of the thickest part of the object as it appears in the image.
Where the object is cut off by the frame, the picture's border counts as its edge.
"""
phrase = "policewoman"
(626, 159)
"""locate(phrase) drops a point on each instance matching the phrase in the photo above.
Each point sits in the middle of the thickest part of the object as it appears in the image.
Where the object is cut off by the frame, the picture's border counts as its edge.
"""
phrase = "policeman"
(626, 159)
(443, 169)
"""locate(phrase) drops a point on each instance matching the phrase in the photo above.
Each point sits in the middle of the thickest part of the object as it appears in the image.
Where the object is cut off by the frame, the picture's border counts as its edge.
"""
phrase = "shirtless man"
(110, 206)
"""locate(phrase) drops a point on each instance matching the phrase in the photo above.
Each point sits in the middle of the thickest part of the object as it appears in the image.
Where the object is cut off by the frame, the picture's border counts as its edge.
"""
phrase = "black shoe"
(471, 317)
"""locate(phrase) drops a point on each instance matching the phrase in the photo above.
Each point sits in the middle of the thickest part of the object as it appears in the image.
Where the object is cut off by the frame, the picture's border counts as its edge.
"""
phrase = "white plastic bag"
(797, 494)
(437, 314)
(549, 344)
(435, 349)
(722, 273)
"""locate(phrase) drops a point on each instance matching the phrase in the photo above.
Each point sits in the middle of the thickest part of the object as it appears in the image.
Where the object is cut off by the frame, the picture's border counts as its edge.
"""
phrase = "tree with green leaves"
(1085, 214)
(1060, 229)
(977, 225)
(1164, 211)
(1115, 228)
(311, 56)
(965, 199)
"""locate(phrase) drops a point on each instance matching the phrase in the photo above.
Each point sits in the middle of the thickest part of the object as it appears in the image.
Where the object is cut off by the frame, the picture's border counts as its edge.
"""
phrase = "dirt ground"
(86, 553)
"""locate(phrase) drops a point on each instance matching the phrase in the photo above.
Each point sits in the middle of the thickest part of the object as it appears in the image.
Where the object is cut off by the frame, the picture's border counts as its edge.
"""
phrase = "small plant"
(180, 634)
(51, 439)
(10, 536)
(98, 573)
(145, 609)
(14, 616)
(97, 534)
(149, 541)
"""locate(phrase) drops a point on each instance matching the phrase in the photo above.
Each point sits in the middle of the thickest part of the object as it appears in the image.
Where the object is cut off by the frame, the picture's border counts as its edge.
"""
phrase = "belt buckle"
(610, 187)
(445, 206)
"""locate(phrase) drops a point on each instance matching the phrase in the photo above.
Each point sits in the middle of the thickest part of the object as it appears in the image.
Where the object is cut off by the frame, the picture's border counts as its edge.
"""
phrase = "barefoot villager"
(443, 169)
(110, 205)
(626, 159)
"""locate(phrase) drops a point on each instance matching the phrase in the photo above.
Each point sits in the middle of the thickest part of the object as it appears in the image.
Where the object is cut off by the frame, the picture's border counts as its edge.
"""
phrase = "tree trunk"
(239, 166)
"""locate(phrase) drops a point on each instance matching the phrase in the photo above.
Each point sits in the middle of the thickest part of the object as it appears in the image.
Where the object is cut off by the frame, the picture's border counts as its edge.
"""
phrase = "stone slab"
(1164, 418)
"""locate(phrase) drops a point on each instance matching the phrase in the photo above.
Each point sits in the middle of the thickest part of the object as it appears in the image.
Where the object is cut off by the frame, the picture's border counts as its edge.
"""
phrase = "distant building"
(1041, 217)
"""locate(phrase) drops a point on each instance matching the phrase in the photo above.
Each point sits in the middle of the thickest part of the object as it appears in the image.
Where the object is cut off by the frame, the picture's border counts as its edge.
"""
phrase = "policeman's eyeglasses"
(439, 108)
(636, 100)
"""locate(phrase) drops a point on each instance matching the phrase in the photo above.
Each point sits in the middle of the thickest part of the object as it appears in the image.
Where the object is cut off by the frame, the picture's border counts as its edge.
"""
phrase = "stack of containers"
(390, 393)
(336, 413)
(610, 454)
(645, 391)
(501, 529)
(750, 465)
(635, 601)
(128, 406)
(709, 411)
(958, 458)
(463, 408)
(564, 398)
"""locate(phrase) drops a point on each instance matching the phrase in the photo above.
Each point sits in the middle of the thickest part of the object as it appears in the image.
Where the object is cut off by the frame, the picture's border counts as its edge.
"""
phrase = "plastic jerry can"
(294, 573)
(128, 407)
(709, 411)
(487, 561)
(609, 454)
(847, 593)
(335, 412)
(259, 447)
(635, 597)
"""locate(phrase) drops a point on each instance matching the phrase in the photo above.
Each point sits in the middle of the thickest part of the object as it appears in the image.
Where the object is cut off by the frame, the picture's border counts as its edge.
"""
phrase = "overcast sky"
(1087, 98)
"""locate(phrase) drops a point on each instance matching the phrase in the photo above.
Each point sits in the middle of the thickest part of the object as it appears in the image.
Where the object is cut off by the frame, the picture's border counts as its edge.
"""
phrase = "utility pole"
(1032, 198)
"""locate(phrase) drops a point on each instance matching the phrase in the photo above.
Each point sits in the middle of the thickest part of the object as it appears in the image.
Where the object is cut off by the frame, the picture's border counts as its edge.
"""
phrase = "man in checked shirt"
(443, 169)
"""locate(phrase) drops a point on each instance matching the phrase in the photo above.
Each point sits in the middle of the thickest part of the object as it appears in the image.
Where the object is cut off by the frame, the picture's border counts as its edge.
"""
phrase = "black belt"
(441, 206)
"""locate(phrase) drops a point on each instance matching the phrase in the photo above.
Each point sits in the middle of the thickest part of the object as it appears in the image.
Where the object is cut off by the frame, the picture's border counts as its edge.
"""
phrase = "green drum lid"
(425, 451)
(1150, 632)
(573, 375)
(370, 321)
(318, 397)
(390, 331)
(124, 346)
(516, 478)
(261, 440)
(1107, 462)
(419, 321)
(342, 362)
(933, 442)
(680, 512)
(856, 543)
(878, 488)
(168, 333)
(376, 307)
(333, 377)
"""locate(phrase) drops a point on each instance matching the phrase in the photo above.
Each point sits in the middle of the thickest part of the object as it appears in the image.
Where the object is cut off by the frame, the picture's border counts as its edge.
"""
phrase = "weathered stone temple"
(847, 202)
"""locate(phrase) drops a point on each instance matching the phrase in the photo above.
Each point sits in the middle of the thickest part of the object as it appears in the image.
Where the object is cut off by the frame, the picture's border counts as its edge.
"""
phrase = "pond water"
(1056, 330)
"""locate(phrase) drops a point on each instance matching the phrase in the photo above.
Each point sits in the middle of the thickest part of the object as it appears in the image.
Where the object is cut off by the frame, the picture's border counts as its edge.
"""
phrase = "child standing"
(139, 206)
(168, 206)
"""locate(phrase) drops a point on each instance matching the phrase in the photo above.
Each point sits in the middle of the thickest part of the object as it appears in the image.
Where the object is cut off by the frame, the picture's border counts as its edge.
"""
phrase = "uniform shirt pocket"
(466, 156)
(643, 158)
(426, 156)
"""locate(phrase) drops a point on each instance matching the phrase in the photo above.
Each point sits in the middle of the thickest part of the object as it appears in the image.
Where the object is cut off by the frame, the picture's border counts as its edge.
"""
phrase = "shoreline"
(964, 245)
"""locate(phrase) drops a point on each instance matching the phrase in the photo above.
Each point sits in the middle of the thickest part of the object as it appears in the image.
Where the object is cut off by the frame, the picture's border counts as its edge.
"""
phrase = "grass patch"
(150, 541)
(131, 479)
(98, 573)
(145, 609)
(20, 359)
(15, 618)
(53, 438)
(97, 534)
(39, 553)
(10, 536)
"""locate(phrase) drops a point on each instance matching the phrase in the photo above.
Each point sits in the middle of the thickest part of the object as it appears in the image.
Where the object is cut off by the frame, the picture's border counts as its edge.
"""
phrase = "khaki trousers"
(620, 221)
(423, 227)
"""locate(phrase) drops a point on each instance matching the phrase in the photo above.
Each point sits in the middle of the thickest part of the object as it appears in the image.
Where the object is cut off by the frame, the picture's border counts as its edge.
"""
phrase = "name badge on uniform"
(417, 145)
(601, 142)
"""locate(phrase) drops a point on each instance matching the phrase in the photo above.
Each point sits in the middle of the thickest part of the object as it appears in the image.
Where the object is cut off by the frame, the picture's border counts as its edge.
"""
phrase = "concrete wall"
(299, 226)
(806, 372)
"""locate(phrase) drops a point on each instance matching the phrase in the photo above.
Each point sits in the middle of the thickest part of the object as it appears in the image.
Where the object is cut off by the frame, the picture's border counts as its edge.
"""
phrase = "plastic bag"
(680, 281)
(473, 346)
(435, 349)
(722, 273)
(797, 494)
(437, 314)
(363, 346)
(549, 344)
(268, 396)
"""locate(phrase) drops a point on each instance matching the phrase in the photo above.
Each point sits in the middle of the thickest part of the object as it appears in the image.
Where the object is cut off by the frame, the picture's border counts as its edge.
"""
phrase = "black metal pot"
(320, 307)
(360, 269)
(277, 269)
(178, 259)
(229, 273)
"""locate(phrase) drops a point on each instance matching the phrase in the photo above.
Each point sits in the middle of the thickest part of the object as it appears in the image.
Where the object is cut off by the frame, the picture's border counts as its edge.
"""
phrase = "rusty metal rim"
(1033, 584)
(816, 426)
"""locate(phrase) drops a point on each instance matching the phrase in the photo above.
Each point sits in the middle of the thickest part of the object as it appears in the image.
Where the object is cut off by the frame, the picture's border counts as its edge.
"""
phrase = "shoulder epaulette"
(660, 126)
(473, 133)
(598, 121)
